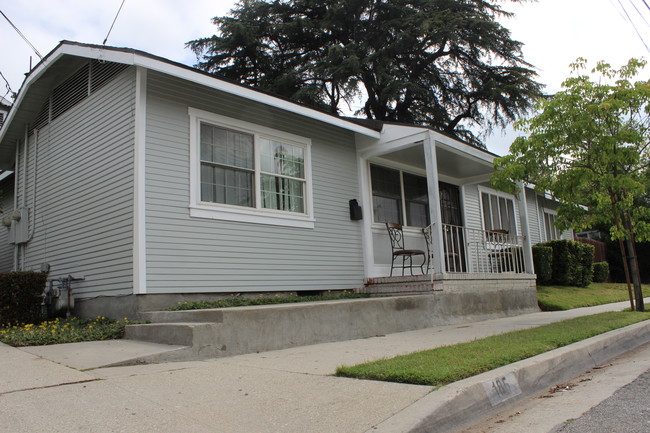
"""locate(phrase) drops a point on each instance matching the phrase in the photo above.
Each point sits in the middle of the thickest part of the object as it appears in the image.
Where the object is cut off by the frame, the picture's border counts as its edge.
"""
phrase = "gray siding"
(84, 192)
(6, 250)
(471, 207)
(187, 254)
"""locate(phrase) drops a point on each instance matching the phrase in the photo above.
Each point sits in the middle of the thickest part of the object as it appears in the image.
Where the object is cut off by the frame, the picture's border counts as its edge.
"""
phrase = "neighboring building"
(5, 106)
(158, 182)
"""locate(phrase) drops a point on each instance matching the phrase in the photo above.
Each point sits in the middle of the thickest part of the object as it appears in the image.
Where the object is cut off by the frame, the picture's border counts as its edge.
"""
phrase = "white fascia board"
(382, 147)
(224, 86)
(135, 59)
(461, 148)
(5, 174)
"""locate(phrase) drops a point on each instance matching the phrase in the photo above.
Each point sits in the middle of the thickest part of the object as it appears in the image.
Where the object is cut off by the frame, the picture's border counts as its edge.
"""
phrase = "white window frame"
(552, 228)
(482, 190)
(402, 168)
(257, 214)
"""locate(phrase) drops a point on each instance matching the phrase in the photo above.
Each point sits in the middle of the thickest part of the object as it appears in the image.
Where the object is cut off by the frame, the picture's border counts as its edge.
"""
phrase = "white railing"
(474, 250)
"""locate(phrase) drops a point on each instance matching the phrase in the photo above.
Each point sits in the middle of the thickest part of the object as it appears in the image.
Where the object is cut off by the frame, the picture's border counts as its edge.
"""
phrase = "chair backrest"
(396, 236)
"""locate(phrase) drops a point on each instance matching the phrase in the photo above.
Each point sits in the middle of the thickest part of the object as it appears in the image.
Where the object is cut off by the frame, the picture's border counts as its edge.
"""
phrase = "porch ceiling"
(451, 163)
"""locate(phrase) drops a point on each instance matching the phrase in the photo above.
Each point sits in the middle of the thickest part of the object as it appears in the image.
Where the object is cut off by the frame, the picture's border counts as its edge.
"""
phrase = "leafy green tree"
(444, 63)
(589, 145)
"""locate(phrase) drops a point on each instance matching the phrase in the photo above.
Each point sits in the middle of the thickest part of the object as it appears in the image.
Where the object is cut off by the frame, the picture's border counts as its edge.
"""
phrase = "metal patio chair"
(396, 236)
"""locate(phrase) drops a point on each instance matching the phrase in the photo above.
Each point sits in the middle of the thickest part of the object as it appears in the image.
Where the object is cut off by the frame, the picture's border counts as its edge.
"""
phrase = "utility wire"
(639, 12)
(115, 19)
(8, 85)
(633, 26)
(646, 4)
(21, 35)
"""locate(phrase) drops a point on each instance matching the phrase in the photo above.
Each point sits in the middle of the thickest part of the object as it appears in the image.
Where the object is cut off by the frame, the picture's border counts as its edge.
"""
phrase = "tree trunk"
(621, 246)
(634, 266)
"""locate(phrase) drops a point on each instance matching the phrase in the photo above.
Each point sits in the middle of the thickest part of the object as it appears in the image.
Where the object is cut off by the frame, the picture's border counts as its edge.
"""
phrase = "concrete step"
(180, 334)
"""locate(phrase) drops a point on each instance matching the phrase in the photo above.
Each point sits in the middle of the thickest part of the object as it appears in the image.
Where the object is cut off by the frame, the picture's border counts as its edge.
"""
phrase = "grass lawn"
(443, 365)
(59, 331)
(241, 301)
(554, 298)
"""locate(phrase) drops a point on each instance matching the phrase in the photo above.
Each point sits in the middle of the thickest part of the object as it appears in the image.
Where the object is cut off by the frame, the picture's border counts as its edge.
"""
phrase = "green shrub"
(572, 262)
(585, 264)
(543, 262)
(20, 297)
(601, 272)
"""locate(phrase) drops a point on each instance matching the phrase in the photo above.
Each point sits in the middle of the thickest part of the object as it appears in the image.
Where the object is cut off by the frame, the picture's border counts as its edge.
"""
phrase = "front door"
(452, 220)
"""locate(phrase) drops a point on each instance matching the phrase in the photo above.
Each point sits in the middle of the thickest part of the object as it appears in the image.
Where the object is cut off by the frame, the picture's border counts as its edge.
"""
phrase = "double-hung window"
(399, 197)
(549, 224)
(498, 212)
(246, 172)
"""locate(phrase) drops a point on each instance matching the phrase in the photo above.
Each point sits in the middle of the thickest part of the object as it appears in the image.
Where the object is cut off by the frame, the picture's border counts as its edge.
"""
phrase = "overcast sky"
(555, 33)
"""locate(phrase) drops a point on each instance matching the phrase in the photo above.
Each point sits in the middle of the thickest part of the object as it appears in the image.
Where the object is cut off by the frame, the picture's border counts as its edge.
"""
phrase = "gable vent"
(84, 82)
(69, 93)
(42, 118)
(101, 72)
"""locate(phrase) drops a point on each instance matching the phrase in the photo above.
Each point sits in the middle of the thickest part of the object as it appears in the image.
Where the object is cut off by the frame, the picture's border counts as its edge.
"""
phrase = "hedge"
(601, 272)
(21, 297)
(543, 262)
(572, 262)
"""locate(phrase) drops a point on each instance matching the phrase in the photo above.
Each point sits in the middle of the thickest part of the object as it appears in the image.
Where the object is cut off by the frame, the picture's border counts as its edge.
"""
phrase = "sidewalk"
(291, 390)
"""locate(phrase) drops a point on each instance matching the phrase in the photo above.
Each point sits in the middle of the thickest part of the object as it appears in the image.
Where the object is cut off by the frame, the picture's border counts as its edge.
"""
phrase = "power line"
(639, 12)
(115, 19)
(633, 26)
(21, 35)
(8, 86)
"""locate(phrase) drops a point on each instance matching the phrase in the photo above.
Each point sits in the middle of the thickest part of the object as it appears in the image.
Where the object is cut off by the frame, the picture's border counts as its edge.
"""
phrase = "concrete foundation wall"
(232, 331)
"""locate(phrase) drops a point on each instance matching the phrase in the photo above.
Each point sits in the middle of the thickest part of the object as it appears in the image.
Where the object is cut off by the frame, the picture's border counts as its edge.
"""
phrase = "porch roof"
(403, 144)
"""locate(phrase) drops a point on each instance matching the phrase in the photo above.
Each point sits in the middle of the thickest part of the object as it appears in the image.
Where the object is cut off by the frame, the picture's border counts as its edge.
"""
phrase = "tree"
(589, 145)
(444, 63)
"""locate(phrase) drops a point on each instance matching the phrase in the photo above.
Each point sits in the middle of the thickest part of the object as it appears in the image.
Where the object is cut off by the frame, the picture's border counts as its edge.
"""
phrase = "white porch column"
(523, 218)
(431, 162)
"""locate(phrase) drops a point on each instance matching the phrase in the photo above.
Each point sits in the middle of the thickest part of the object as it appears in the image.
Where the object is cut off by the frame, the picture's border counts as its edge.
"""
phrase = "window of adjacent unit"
(498, 212)
(549, 225)
(399, 197)
(247, 172)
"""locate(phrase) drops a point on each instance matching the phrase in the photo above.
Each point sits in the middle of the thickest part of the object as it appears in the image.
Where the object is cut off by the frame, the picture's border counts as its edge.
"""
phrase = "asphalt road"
(627, 411)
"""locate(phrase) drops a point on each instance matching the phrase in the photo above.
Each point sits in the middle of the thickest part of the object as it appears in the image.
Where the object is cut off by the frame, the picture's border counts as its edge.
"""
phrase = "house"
(5, 106)
(159, 183)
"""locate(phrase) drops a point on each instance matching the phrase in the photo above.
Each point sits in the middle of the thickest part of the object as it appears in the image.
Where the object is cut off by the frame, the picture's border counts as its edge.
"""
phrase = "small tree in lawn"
(589, 145)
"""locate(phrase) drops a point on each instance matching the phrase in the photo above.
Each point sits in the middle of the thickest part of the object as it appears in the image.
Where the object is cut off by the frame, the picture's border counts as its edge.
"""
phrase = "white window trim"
(218, 211)
(482, 189)
(554, 213)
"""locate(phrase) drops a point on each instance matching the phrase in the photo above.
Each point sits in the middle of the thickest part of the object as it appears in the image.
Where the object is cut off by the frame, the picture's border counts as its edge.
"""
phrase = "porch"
(437, 188)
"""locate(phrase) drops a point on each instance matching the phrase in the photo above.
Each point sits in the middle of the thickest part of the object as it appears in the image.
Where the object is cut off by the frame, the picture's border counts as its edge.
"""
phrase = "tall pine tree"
(444, 63)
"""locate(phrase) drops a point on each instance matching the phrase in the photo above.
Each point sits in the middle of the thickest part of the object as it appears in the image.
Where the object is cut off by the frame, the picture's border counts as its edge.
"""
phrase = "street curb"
(463, 403)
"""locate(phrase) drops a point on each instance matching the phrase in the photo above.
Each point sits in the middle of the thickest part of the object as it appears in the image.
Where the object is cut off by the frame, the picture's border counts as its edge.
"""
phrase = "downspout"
(32, 220)
(21, 247)
(16, 170)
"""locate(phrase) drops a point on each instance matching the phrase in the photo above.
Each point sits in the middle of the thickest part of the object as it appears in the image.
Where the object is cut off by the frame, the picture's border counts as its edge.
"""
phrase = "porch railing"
(474, 250)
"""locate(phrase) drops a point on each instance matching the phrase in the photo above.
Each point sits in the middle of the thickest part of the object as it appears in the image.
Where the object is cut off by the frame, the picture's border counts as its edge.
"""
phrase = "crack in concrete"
(50, 386)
